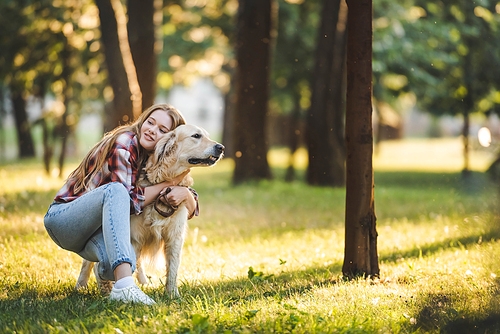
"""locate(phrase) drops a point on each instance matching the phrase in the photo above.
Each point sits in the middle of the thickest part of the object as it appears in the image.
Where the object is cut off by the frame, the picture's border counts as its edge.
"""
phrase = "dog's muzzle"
(218, 151)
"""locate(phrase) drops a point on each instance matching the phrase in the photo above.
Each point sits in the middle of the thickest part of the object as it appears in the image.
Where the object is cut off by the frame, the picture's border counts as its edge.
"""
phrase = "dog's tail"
(153, 257)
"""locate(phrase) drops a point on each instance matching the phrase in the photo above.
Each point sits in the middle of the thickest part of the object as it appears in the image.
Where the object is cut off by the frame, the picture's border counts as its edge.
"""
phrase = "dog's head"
(182, 148)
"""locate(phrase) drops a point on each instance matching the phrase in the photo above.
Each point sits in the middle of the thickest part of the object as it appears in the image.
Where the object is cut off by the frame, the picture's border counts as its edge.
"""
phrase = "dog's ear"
(164, 155)
(165, 147)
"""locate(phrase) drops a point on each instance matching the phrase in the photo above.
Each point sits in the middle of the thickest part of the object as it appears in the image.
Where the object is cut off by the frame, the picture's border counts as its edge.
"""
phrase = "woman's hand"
(152, 192)
(178, 195)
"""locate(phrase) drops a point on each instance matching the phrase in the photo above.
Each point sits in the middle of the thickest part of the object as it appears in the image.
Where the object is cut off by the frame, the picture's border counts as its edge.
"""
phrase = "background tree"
(47, 52)
(142, 27)
(252, 90)
(293, 61)
(198, 41)
(471, 84)
(13, 63)
(325, 121)
(437, 55)
(123, 108)
(361, 256)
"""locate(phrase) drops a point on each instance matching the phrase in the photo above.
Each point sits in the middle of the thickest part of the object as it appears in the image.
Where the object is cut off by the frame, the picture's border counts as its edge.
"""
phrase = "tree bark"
(361, 256)
(336, 102)
(228, 131)
(294, 133)
(23, 127)
(465, 135)
(142, 37)
(468, 105)
(117, 76)
(252, 90)
(2, 120)
(65, 129)
(326, 152)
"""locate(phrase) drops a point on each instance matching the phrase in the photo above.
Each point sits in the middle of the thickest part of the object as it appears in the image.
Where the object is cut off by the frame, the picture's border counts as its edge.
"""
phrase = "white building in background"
(201, 104)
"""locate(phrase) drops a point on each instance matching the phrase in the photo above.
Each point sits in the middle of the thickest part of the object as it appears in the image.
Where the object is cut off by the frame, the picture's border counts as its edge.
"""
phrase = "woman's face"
(153, 128)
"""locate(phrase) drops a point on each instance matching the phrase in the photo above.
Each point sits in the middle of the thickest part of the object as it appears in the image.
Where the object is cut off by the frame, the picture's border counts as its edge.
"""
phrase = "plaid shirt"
(120, 166)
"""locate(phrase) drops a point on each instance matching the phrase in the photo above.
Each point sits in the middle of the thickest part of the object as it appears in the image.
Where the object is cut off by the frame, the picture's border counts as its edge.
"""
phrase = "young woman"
(90, 215)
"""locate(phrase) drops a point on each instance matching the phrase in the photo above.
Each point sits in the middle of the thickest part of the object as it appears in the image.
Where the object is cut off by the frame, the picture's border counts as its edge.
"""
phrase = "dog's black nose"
(219, 148)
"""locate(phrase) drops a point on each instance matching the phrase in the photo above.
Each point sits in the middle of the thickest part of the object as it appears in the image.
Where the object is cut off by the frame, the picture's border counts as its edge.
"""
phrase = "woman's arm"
(152, 192)
(180, 194)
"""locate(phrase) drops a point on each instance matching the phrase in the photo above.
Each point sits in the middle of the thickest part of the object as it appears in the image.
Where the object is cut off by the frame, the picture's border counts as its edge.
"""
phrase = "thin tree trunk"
(336, 100)
(117, 75)
(229, 121)
(141, 29)
(252, 90)
(48, 150)
(468, 106)
(294, 134)
(64, 130)
(465, 134)
(23, 127)
(361, 256)
(321, 143)
(3, 153)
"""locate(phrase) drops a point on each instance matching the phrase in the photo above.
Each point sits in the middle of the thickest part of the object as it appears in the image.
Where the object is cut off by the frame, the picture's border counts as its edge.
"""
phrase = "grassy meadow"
(439, 252)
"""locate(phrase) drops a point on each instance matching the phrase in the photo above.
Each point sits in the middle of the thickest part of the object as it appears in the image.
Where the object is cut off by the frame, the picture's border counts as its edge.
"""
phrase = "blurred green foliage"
(39, 37)
(439, 55)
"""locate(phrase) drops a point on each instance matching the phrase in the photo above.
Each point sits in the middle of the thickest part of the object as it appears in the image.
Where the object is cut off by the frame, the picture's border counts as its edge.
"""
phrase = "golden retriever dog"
(152, 231)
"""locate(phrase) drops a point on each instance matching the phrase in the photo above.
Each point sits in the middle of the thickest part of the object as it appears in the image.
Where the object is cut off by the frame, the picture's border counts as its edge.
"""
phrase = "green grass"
(439, 245)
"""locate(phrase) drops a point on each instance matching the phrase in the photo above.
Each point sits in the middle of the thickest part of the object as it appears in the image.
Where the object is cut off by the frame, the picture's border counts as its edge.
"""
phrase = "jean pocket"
(52, 236)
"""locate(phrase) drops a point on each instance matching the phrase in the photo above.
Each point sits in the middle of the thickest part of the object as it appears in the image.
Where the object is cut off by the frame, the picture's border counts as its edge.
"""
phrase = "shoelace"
(139, 294)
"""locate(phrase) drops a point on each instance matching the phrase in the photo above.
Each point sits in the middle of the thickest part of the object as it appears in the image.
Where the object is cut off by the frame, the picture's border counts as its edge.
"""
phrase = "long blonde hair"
(100, 150)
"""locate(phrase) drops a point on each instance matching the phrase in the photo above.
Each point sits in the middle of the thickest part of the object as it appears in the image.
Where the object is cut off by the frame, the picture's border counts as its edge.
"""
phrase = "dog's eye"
(196, 135)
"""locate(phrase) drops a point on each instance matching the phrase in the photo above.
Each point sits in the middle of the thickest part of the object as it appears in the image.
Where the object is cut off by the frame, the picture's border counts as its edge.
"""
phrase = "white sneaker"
(131, 294)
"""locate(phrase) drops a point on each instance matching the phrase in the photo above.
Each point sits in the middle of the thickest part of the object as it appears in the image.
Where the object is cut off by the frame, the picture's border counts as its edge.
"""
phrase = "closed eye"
(196, 135)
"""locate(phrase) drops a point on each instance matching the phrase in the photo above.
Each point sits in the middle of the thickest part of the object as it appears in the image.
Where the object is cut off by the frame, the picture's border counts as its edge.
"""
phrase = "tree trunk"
(465, 134)
(24, 138)
(3, 149)
(336, 102)
(326, 162)
(294, 133)
(48, 150)
(67, 93)
(117, 75)
(252, 90)
(468, 105)
(141, 35)
(229, 121)
(361, 256)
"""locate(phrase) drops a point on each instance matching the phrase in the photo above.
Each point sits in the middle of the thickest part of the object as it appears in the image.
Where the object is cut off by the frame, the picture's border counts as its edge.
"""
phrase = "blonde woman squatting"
(90, 214)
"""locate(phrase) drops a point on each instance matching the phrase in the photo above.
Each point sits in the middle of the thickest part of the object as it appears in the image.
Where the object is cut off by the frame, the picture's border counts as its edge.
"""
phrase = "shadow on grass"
(432, 180)
(475, 182)
(435, 247)
(438, 312)
(489, 325)
(22, 303)
(444, 313)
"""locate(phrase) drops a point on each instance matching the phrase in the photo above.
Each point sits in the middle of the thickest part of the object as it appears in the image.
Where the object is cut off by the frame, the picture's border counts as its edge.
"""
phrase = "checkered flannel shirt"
(121, 166)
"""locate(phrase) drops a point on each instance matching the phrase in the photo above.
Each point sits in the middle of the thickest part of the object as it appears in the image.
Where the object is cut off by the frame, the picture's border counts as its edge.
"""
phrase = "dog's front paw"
(80, 286)
(105, 287)
(174, 293)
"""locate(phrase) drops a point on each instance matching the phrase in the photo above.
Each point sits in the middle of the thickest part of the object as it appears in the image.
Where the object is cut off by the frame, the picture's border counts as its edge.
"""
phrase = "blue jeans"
(96, 226)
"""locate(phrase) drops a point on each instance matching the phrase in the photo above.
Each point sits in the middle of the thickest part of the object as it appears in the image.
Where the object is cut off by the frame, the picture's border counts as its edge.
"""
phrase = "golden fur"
(185, 147)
